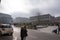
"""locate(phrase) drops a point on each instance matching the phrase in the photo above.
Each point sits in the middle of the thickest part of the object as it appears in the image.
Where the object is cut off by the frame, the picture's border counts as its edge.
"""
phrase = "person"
(23, 32)
(35, 27)
(58, 29)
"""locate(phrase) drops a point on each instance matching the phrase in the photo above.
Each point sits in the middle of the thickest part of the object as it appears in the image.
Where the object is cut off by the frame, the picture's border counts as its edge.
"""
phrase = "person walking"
(23, 33)
(58, 29)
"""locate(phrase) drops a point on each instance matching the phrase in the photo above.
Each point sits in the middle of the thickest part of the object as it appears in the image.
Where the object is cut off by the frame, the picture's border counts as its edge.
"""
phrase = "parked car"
(6, 29)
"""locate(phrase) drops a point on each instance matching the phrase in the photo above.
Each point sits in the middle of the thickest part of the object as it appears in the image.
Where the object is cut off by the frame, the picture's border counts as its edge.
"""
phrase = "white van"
(6, 29)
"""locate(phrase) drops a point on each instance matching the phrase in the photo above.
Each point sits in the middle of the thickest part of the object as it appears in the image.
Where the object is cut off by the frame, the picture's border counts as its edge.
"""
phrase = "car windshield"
(2, 26)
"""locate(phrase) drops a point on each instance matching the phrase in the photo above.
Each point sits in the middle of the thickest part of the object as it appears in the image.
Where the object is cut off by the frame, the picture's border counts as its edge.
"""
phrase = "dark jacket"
(23, 32)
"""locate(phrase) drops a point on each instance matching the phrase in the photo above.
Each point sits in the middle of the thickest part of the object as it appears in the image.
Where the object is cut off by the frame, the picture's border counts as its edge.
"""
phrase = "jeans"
(57, 31)
(23, 38)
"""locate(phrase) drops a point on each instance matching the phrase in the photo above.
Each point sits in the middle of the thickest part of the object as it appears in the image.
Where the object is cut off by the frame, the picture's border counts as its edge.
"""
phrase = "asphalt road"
(36, 35)
(32, 35)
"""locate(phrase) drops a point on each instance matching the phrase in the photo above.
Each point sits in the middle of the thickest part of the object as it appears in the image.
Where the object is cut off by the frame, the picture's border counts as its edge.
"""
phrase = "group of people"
(23, 32)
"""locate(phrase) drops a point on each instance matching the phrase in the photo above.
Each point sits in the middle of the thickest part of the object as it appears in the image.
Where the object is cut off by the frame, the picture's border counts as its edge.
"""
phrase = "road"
(32, 35)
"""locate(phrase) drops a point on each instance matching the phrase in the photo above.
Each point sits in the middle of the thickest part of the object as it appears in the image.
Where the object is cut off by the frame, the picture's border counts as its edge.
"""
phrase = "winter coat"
(23, 32)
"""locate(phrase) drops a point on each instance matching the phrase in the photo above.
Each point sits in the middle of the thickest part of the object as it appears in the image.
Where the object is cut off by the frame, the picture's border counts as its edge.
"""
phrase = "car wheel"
(10, 34)
(0, 34)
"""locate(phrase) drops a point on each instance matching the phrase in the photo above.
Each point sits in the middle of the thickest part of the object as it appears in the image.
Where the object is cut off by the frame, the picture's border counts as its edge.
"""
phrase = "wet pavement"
(32, 35)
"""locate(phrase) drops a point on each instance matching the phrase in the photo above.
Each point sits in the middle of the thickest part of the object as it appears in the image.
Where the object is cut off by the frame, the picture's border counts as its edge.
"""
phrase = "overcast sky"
(24, 7)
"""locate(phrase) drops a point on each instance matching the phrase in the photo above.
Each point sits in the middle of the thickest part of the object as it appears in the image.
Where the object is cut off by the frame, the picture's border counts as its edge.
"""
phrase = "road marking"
(16, 29)
(15, 38)
(33, 36)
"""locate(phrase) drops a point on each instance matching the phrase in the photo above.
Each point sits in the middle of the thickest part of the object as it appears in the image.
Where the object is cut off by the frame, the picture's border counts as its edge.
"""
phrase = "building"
(21, 20)
(46, 19)
(5, 18)
(57, 20)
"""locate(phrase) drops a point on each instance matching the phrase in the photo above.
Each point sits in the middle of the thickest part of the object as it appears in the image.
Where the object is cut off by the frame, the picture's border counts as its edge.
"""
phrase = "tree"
(38, 18)
(36, 13)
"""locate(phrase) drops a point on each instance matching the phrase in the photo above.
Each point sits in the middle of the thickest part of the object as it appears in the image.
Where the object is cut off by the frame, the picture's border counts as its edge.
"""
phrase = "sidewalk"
(49, 29)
